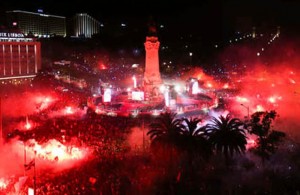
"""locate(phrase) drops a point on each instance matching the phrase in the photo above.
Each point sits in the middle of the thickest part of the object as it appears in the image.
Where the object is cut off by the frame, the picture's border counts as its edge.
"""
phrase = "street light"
(247, 107)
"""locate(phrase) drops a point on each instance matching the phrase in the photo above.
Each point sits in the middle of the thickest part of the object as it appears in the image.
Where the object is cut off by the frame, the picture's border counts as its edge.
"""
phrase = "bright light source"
(177, 88)
(259, 108)
(155, 112)
(134, 81)
(27, 126)
(195, 88)
(162, 88)
(167, 99)
(69, 110)
(138, 95)
(107, 95)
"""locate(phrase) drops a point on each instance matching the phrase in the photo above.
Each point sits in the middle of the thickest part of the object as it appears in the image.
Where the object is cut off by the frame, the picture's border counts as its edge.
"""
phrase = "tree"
(165, 130)
(164, 135)
(195, 150)
(194, 140)
(267, 139)
(227, 136)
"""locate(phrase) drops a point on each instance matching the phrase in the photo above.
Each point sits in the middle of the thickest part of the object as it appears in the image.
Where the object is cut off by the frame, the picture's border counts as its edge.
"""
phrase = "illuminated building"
(85, 26)
(107, 95)
(170, 96)
(20, 58)
(152, 78)
(37, 24)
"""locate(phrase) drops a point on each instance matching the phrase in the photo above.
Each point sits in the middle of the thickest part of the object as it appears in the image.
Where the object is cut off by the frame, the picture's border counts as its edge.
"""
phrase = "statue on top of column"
(152, 31)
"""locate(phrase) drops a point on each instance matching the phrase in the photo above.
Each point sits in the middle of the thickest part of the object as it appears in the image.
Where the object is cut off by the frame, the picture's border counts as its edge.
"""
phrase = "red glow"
(274, 99)
(226, 86)
(241, 99)
(102, 66)
(292, 81)
(251, 143)
(53, 150)
(259, 108)
(198, 73)
(3, 183)
(209, 85)
(43, 102)
(27, 126)
(69, 110)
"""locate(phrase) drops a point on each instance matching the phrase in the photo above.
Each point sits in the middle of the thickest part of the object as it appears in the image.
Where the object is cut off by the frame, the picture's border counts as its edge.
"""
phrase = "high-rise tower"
(152, 78)
(38, 24)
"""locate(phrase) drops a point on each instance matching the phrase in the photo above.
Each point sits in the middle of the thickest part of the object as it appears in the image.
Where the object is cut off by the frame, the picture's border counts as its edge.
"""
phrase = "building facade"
(37, 24)
(20, 58)
(85, 26)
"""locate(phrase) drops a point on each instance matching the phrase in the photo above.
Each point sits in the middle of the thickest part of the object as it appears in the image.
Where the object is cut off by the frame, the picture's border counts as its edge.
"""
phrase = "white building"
(85, 26)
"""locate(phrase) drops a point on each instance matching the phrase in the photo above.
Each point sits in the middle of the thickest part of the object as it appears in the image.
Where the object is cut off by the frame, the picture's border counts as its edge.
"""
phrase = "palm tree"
(194, 140)
(164, 135)
(227, 136)
(194, 148)
(267, 139)
(166, 129)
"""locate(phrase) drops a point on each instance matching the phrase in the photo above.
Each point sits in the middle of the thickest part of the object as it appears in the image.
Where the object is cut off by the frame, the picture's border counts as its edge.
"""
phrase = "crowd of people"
(111, 168)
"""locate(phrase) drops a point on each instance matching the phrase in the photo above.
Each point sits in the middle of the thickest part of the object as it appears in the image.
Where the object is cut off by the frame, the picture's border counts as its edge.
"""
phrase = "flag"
(29, 165)
(22, 181)
(18, 185)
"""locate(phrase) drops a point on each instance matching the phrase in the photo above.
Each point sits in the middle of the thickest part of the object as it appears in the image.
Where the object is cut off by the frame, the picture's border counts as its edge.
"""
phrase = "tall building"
(85, 26)
(37, 24)
(20, 57)
(152, 78)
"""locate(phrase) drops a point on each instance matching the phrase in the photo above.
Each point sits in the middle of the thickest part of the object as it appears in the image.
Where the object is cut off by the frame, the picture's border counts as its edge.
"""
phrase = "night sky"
(214, 17)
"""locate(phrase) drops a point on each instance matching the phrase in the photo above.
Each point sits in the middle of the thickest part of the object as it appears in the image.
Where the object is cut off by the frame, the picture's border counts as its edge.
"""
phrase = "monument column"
(152, 78)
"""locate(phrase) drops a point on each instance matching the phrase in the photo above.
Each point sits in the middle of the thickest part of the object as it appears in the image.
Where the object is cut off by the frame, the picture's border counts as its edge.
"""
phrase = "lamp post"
(247, 107)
